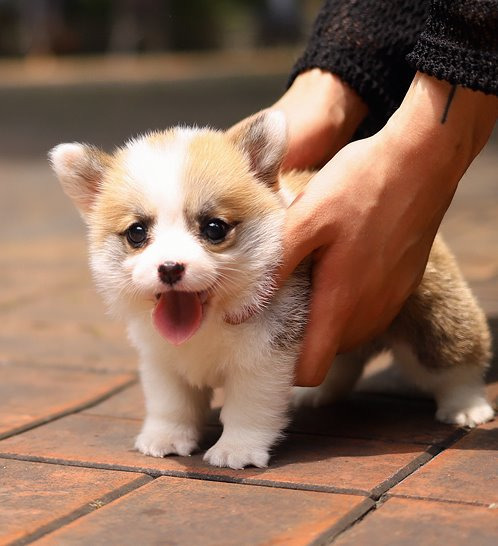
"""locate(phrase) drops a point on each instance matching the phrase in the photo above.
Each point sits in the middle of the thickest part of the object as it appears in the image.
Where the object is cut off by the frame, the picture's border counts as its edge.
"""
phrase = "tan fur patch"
(442, 320)
(218, 184)
(121, 202)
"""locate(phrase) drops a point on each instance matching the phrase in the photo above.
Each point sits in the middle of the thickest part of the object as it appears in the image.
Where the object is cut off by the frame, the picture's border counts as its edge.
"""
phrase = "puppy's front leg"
(254, 414)
(175, 412)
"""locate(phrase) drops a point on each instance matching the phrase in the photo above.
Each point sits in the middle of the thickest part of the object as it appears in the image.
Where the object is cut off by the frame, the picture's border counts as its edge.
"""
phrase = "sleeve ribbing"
(460, 44)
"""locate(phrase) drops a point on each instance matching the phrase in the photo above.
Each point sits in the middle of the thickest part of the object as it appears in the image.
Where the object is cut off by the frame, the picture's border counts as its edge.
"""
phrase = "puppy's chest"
(216, 351)
(219, 350)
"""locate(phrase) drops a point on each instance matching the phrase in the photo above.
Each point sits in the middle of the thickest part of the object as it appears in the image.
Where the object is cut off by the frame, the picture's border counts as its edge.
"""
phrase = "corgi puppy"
(185, 231)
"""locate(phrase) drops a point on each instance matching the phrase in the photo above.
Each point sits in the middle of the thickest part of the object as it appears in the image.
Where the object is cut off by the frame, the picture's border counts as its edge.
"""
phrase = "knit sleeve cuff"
(370, 85)
(476, 70)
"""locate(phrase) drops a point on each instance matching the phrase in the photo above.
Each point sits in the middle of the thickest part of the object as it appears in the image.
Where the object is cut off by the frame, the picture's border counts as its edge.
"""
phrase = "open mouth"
(178, 315)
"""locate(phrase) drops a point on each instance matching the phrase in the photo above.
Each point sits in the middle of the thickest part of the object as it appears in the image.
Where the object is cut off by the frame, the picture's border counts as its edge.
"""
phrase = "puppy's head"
(182, 223)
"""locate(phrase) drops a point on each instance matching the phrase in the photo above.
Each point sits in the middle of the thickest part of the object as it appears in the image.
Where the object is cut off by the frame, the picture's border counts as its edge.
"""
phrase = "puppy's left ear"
(263, 139)
(80, 170)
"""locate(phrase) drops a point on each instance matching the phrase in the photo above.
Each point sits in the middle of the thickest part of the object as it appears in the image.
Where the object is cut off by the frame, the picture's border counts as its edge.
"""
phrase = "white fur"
(459, 392)
(157, 169)
(178, 380)
(172, 242)
(76, 169)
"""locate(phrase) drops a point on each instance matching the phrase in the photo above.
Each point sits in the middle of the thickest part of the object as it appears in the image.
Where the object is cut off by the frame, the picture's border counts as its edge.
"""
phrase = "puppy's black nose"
(170, 272)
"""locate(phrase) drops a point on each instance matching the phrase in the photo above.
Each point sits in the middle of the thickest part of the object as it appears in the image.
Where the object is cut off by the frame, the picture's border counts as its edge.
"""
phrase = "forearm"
(440, 127)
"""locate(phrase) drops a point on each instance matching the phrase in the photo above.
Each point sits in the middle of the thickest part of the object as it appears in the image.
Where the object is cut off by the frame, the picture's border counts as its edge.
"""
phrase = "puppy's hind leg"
(458, 391)
(441, 339)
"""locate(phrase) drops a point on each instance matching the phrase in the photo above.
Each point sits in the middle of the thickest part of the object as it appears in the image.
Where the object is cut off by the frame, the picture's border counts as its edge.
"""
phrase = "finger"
(323, 333)
(299, 239)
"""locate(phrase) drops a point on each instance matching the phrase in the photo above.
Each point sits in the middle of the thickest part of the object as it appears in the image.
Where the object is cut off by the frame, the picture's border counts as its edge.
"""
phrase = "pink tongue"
(178, 315)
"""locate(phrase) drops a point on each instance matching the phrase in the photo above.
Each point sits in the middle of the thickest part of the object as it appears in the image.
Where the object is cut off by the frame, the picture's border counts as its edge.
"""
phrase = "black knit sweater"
(376, 46)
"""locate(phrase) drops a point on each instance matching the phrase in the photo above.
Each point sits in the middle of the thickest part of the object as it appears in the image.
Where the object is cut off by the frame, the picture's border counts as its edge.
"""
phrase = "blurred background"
(72, 27)
(101, 71)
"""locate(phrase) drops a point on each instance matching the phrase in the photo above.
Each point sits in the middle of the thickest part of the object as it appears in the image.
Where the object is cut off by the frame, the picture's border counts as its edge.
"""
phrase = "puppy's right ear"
(80, 169)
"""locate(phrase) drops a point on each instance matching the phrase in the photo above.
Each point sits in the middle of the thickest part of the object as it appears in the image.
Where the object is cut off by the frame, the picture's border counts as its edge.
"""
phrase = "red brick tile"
(466, 472)
(32, 268)
(69, 302)
(303, 460)
(35, 497)
(182, 511)
(376, 417)
(56, 342)
(50, 311)
(129, 404)
(415, 522)
(31, 395)
(48, 251)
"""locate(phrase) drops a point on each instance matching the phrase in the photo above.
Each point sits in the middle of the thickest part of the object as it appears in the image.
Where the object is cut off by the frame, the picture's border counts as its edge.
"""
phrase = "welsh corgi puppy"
(185, 231)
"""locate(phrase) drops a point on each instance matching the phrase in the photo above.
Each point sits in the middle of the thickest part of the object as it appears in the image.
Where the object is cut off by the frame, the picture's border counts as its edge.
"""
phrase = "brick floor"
(38, 497)
(218, 513)
(466, 472)
(414, 522)
(376, 469)
(31, 396)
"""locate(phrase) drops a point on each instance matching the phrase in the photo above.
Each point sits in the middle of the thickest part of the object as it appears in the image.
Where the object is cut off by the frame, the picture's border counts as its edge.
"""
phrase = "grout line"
(380, 494)
(404, 472)
(437, 499)
(154, 473)
(457, 435)
(64, 413)
(329, 536)
(344, 523)
(84, 510)
(432, 452)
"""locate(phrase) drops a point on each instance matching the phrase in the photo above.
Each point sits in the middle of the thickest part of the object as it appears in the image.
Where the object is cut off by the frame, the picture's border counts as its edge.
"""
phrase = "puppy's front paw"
(469, 416)
(160, 440)
(236, 455)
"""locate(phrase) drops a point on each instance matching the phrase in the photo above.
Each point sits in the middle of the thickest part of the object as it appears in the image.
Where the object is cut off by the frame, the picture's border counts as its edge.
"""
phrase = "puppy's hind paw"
(236, 456)
(471, 416)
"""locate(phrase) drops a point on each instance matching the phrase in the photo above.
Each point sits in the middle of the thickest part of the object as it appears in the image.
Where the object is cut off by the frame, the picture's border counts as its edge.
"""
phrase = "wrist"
(441, 125)
(322, 113)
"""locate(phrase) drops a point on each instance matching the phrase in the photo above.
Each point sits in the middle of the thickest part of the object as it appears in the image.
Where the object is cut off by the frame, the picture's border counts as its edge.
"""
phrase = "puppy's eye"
(215, 230)
(136, 235)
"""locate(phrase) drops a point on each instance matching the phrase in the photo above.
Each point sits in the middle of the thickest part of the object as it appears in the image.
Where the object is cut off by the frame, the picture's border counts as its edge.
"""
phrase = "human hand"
(321, 113)
(369, 217)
